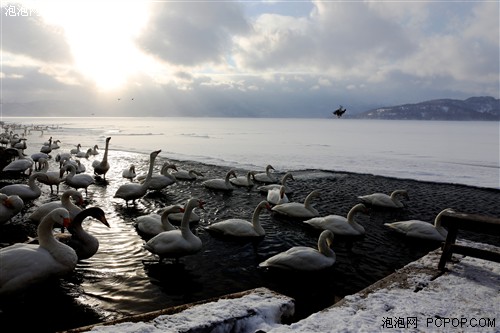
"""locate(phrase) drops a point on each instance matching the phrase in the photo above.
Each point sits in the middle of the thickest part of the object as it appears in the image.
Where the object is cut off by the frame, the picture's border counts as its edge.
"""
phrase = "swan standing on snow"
(187, 174)
(65, 202)
(266, 177)
(422, 229)
(26, 192)
(180, 242)
(384, 200)
(129, 173)
(288, 176)
(102, 167)
(245, 181)
(299, 210)
(241, 228)
(220, 184)
(84, 244)
(302, 258)
(152, 224)
(134, 191)
(10, 206)
(341, 225)
(277, 196)
(77, 181)
(25, 265)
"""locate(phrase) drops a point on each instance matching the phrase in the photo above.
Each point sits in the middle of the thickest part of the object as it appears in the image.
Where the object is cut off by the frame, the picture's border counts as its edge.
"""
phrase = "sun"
(101, 36)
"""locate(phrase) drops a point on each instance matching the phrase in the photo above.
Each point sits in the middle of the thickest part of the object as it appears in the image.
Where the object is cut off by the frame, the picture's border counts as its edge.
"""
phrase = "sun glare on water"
(101, 37)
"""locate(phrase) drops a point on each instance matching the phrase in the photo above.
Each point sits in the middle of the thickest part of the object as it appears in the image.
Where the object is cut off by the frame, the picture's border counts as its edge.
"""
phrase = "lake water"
(337, 156)
(462, 152)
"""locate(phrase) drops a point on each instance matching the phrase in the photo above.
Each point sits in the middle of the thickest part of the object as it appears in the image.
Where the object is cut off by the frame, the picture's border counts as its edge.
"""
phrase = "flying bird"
(340, 111)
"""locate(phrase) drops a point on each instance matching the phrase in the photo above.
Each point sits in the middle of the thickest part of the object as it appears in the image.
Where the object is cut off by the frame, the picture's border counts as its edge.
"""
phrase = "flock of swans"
(55, 254)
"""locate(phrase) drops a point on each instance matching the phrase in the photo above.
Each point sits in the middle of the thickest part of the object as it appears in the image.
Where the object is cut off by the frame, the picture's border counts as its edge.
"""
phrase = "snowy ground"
(418, 298)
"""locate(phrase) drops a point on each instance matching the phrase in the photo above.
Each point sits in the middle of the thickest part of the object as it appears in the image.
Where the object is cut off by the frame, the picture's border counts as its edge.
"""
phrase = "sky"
(243, 58)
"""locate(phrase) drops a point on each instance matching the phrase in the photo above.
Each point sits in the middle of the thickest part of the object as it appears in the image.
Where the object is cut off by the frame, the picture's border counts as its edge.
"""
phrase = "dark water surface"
(123, 279)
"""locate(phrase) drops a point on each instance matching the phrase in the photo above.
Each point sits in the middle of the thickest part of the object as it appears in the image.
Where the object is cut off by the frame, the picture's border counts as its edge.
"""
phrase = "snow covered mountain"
(474, 108)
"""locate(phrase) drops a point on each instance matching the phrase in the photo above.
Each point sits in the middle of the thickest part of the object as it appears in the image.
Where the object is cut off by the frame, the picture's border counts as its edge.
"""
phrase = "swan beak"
(103, 220)
(201, 203)
(66, 222)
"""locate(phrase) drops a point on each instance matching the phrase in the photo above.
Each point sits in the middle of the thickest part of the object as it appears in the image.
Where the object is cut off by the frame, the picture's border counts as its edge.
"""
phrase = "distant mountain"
(474, 108)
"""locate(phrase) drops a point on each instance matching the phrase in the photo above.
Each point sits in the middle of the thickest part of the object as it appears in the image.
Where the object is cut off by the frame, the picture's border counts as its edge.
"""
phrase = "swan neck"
(150, 171)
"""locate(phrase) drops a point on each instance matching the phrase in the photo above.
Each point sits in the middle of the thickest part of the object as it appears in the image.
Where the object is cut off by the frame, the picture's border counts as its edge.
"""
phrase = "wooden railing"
(455, 221)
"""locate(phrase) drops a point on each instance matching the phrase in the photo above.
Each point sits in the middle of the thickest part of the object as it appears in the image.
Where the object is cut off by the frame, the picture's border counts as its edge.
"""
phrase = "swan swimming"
(384, 200)
(341, 225)
(421, 229)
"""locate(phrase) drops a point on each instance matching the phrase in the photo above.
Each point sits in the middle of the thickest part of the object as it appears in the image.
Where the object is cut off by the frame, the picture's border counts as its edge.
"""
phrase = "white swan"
(341, 225)
(180, 242)
(26, 192)
(134, 191)
(302, 258)
(266, 177)
(95, 150)
(47, 149)
(277, 196)
(84, 154)
(422, 229)
(299, 210)
(84, 244)
(36, 158)
(25, 265)
(65, 202)
(220, 184)
(384, 200)
(187, 174)
(77, 181)
(129, 173)
(10, 206)
(76, 150)
(152, 224)
(242, 228)
(288, 176)
(102, 167)
(54, 178)
(176, 218)
(163, 179)
(244, 181)
(21, 164)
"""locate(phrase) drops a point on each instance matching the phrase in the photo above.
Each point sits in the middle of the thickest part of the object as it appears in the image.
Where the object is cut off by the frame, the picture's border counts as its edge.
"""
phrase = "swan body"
(10, 206)
(25, 265)
(21, 164)
(129, 173)
(36, 159)
(65, 202)
(299, 210)
(160, 181)
(244, 181)
(288, 176)
(102, 167)
(84, 154)
(187, 174)
(220, 184)
(152, 224)
(302, 258)
(84, 244)
(26, 192)
(241, 228)
(134, 191)
(95, 150)
(266, 177)
(76, 150)
(179, 242)
(341, 225)
(77, 181)
(421, 229)
(47, 149)
(277, 196)
(384, 200)
(176, 218)
(53, 177)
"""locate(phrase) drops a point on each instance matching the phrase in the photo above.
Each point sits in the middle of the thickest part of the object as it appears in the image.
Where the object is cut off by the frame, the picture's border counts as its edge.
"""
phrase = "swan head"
(13, 202)
(153, 154)
(362, 209)
(269, 167)
(232, 173)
